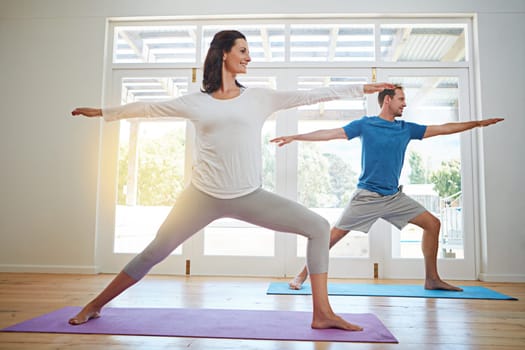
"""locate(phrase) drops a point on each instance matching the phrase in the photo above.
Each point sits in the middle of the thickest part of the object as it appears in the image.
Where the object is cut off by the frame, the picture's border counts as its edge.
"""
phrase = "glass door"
(233, 247)
(152, 168)
(438, 172)
(326, 173)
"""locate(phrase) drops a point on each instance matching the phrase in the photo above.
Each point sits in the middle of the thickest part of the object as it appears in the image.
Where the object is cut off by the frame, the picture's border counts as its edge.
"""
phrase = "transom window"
(350, 41)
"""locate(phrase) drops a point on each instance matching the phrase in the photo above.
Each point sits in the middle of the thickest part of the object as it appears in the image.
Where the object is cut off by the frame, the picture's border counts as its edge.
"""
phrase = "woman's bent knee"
(319, 228)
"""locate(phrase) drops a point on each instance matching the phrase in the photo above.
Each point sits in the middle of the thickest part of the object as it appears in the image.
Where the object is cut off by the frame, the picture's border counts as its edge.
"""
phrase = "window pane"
(432, 171)
(238, 241)
(328, 171)
(151, 164)
(155, 44)
(331, 43)
(423, 42)
(266, 41)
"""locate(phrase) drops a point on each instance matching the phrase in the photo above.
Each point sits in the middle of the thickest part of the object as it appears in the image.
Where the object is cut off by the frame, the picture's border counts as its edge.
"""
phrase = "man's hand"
(490, 121)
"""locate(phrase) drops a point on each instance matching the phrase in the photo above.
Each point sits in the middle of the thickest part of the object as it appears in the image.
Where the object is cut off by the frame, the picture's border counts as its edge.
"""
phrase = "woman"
(226, 179)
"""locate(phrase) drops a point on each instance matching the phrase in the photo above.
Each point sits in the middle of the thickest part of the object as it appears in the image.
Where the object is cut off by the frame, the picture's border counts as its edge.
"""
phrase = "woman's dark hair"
(389, 92)
(223, 41)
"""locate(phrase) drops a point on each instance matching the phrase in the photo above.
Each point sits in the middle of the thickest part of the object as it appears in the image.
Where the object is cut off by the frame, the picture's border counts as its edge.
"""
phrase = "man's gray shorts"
(366, 207)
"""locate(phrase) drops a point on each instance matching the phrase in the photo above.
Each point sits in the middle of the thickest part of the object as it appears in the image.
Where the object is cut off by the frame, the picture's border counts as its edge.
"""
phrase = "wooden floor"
(417, 323)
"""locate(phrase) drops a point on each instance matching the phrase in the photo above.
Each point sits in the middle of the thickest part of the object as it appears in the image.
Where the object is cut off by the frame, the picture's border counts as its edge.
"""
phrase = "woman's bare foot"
(297, 282)
(334, 321)
(86, 314)
(441, 285)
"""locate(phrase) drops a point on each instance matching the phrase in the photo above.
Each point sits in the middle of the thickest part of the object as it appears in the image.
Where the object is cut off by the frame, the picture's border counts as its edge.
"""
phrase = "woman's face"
(237, 59)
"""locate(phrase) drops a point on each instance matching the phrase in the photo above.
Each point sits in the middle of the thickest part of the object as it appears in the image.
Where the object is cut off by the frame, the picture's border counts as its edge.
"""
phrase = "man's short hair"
(389, 92)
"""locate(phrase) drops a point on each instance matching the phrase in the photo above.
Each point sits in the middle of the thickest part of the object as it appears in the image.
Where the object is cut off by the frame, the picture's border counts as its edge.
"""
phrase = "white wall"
(502, 59)
(51, 60)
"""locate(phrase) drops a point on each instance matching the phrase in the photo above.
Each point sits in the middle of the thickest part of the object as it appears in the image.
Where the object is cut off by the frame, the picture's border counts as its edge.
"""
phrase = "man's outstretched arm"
(452, 128)
(319, 135)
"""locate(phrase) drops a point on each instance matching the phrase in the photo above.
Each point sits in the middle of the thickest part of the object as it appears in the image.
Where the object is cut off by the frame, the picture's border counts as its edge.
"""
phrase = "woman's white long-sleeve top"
(228, 161)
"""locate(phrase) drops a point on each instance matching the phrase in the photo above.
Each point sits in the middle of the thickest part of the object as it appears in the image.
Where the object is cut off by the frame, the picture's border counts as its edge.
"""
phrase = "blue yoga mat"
(392, 290)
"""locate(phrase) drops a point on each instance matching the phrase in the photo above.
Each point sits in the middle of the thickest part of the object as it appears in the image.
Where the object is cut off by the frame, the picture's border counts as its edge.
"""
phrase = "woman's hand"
(282, 140)
(377, 87)
(87, 112)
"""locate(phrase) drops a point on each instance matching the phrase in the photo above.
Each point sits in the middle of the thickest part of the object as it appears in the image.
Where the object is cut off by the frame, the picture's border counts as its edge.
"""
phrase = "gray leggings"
(195, 209)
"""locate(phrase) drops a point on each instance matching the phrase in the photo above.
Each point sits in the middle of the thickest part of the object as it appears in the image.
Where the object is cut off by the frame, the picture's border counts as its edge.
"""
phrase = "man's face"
(397, 103)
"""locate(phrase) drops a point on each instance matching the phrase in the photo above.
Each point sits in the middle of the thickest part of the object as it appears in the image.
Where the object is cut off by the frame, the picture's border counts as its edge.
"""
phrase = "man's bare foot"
(297, 282)
(86, 314)
(441, 285)
(334, 321)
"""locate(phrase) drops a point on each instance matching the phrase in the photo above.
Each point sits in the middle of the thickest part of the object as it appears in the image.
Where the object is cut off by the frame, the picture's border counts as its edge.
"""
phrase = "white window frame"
(109, 140)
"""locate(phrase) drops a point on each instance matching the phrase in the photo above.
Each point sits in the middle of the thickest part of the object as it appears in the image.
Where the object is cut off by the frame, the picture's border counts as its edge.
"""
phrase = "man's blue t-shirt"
(383, 150)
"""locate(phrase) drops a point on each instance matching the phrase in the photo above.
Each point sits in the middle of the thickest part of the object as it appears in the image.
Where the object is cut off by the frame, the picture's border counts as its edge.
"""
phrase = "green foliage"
(160, 170)
(324, 180)
(417, 171)
(123, 161)
(313, 179)
(447, 180)
(343, 180)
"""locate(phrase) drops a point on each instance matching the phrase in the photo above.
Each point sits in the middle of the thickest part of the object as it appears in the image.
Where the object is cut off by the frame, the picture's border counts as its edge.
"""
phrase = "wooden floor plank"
(418, 323)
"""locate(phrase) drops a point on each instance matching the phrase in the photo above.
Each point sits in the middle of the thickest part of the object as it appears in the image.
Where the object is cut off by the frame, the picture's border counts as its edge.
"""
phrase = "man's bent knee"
(427, 222)
(433, 224)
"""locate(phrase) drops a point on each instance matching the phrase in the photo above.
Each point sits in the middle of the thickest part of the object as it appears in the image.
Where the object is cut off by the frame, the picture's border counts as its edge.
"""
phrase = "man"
(384, 141)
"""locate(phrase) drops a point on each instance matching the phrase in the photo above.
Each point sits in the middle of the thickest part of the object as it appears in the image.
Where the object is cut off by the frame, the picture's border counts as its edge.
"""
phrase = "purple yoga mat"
(208, 323)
